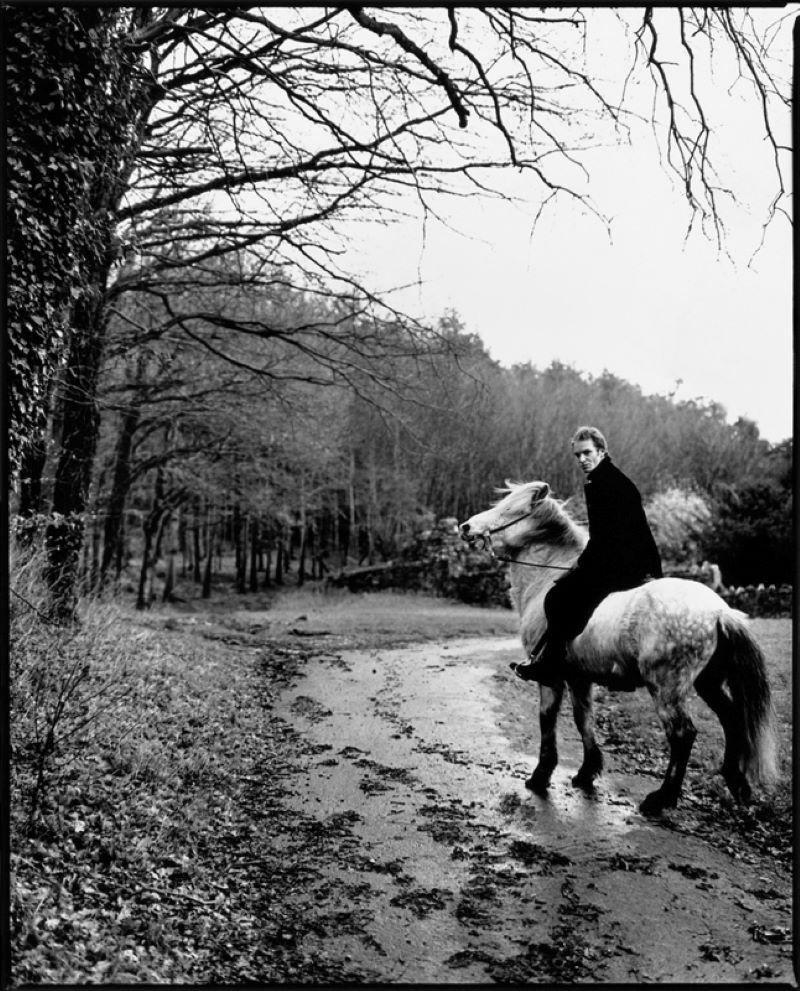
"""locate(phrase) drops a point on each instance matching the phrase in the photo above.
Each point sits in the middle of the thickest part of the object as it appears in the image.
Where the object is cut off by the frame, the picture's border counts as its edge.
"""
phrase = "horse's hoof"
(591, 768)
(741, 792)
(583, 781)
(655, 803)
(652, 805)
(538, 783)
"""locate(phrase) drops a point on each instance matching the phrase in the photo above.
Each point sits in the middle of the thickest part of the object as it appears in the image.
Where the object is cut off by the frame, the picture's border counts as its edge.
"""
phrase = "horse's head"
(517, 519)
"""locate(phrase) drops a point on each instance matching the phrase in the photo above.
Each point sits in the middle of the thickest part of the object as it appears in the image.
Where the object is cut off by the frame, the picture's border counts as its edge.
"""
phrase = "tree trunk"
(64, 536)
(84, 572)
(94, 574)
(301, 562)
(152, 528)
(372, 508)
(268, 566)
(311, 543)
(120, 485)
(141, 595)
(31, 498)
(279, 558)
(165, 517)
(244, 540)
(351, 520)
(254, 548)
(122, 106)
(240, 548)
(120, 558)
(206, 593)
(169, 579)
(67, 104)
(183, 546)
(171, 551)
(197, 574)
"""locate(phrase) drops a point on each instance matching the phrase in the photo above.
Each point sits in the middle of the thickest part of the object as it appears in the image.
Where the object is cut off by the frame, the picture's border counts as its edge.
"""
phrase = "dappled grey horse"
(670, 636)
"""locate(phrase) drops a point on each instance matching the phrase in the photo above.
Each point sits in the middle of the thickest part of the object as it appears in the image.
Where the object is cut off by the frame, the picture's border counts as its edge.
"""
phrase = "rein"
(511, 560)
(505, 526)
(531, 564)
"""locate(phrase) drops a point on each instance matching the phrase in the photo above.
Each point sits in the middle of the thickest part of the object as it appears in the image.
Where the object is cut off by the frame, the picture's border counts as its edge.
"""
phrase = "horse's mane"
(552, 514)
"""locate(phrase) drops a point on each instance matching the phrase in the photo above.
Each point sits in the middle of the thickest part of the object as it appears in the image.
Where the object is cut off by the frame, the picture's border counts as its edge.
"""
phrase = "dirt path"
(447, 870)
(307, 787)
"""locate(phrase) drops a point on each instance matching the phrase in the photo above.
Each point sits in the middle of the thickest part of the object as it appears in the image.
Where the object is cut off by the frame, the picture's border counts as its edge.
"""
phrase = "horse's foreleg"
(680, 735)
(583, 713)
(549, 704)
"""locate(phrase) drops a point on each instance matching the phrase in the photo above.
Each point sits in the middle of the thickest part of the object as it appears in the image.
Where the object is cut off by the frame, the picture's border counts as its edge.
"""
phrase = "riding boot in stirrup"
(547, 669)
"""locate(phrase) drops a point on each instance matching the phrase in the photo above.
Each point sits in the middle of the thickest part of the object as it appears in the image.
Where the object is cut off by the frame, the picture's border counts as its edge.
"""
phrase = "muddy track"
(426, 859)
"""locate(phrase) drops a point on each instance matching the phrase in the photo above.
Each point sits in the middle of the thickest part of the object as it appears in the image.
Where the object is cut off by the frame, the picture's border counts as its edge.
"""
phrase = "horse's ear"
(540, 493)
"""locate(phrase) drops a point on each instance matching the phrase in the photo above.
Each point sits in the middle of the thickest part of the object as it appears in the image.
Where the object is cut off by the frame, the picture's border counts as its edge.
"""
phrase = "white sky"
(648, 306)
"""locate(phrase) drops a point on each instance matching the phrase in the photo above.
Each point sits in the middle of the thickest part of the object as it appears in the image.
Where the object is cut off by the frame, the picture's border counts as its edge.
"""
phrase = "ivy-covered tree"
(64, 119)
(183, 134)
(69, 164)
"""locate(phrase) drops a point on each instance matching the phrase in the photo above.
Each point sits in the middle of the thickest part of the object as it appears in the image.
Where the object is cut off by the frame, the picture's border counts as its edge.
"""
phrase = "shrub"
(61, 679)
(751, 539)
(680, 520)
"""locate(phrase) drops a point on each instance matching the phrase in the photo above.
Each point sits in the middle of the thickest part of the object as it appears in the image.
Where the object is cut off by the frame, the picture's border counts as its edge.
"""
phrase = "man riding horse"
(621, 554)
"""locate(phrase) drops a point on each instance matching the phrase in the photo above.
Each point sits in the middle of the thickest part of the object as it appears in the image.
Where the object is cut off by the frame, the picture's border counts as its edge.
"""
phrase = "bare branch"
(382, 27)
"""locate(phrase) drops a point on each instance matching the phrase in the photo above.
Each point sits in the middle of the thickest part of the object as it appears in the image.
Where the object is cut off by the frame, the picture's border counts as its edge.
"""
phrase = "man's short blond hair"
(592, 434)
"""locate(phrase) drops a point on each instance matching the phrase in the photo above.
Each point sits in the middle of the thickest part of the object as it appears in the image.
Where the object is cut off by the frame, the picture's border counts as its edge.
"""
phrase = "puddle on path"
(462, 870)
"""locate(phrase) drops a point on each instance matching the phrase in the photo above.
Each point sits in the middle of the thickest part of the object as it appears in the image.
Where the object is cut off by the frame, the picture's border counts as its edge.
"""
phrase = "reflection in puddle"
(423, 758)
(596, 815)
(450, 718)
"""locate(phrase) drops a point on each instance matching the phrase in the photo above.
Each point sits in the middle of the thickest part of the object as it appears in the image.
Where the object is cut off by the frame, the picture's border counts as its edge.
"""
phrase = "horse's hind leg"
(549, 704)
(680, 735)
(709, 687)
(583, 714)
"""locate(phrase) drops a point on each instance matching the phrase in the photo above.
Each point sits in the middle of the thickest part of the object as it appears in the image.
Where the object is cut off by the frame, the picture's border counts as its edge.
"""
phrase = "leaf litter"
(165, 854)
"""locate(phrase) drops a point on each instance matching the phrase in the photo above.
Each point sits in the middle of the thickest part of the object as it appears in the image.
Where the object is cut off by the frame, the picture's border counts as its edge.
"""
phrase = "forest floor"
(318, 787)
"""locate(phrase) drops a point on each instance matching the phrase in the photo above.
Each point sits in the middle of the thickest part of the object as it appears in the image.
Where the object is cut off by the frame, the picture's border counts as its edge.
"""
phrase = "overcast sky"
(648, 305)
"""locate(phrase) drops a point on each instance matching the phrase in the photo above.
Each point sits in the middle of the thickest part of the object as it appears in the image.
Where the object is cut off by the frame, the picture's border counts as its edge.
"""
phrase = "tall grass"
(62, 678)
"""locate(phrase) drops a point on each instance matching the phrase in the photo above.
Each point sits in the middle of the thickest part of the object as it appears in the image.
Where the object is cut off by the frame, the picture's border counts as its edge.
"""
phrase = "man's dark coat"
(621, 552)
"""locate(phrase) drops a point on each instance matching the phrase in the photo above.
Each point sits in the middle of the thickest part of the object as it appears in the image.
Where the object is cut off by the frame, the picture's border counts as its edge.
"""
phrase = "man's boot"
(548, 668)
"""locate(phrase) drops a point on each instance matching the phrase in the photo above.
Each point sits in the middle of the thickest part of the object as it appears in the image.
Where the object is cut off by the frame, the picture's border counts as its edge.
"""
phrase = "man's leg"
(548, 667)
(567, 606)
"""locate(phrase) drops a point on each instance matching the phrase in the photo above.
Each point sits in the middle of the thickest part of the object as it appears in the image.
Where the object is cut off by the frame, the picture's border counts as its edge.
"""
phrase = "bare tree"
(253, 133)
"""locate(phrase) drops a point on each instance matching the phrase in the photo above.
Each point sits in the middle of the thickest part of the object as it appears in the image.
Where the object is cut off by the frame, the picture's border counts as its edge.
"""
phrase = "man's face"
(587, 455)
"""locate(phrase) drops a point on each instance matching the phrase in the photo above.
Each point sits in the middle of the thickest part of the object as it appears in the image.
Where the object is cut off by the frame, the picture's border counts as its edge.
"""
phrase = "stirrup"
(536, 671)
(520, 670)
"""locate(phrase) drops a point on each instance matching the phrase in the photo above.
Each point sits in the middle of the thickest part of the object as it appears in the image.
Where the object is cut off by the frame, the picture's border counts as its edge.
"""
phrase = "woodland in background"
(194, 368)
(201, 459)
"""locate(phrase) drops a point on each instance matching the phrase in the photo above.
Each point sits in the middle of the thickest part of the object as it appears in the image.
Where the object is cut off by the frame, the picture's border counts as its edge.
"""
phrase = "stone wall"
(761, 600)
(440, 563)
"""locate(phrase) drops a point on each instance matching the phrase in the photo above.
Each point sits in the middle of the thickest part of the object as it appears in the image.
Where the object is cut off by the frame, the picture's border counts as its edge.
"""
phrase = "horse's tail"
(752, 699)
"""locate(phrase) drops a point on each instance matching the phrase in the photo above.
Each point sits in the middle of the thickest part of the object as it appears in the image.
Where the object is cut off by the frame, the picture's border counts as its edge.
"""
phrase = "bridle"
(486, 538)
(505, 526)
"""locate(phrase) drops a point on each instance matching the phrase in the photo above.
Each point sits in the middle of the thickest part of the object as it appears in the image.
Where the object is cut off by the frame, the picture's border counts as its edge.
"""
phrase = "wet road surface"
(447, 870)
